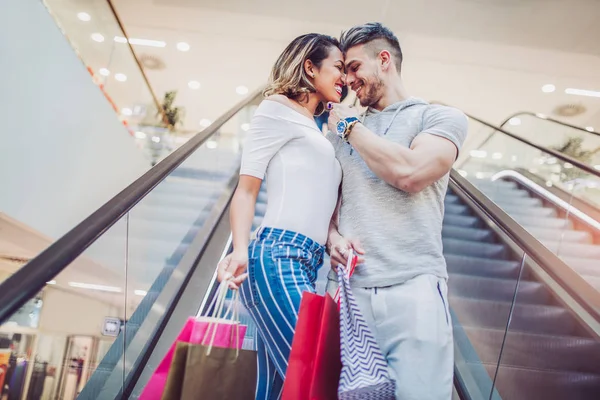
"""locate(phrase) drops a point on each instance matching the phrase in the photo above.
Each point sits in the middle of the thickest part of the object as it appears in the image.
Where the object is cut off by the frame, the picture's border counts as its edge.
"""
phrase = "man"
(396, 160)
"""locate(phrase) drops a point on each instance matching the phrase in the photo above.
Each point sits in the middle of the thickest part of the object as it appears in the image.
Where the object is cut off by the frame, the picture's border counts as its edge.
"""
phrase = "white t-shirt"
(302, 173)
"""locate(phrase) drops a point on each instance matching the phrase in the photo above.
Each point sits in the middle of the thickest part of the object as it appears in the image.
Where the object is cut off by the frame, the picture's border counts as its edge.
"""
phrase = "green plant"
(573, 147)
(172, 115)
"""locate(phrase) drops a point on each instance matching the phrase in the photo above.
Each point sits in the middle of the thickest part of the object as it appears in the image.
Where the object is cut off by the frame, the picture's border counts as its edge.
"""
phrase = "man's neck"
(393, 92)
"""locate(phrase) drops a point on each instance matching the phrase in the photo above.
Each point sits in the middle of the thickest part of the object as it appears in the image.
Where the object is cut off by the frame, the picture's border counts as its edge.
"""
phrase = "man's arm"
(429, 157)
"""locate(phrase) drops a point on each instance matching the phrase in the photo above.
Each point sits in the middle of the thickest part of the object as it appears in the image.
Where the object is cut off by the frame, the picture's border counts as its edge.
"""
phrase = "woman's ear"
(309, 68)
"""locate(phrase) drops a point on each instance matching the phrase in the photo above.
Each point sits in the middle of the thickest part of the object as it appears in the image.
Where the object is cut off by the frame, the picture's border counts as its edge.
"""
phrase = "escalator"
(525, 311)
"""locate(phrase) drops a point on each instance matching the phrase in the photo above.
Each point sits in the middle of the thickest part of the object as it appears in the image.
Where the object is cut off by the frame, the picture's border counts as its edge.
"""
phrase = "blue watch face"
(341, 126)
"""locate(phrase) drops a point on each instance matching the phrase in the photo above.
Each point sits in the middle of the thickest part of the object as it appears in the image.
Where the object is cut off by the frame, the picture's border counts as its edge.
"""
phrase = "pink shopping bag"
(222, 332)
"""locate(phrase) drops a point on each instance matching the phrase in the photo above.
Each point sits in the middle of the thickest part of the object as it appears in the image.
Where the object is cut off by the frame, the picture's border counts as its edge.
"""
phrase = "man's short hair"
(376, 38)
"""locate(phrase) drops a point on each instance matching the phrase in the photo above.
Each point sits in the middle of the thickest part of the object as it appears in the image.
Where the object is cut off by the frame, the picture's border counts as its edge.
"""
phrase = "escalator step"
(524, 317)
(570, 236)
(475, 249)
(462, 221)
(583, 266)
(567, 249)
(497, 289)
(473, 234)
(462, 264)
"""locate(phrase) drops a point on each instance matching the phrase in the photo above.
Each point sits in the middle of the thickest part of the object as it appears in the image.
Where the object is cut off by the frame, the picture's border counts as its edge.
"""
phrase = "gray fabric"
(400, 231)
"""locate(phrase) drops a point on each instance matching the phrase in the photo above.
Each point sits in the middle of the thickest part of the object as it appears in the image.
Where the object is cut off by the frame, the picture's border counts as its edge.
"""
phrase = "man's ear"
(385, 59)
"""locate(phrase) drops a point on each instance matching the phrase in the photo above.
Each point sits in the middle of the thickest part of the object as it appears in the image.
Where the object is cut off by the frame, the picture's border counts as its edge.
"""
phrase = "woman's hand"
(233, 269)
(340, 249)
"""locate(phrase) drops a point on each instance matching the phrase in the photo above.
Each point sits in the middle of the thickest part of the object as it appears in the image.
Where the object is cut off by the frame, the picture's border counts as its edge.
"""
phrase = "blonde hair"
(288, 76)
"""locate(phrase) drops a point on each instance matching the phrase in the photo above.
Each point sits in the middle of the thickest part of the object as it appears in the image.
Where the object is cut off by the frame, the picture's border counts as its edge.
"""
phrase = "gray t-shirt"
(401, 232)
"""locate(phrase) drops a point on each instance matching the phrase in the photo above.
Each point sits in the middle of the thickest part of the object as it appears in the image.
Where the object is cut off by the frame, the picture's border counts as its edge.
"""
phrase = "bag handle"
(349, 270)
(219, 304)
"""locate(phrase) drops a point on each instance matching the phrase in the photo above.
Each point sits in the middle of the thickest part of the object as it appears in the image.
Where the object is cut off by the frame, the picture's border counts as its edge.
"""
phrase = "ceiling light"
(582, 92)
(52, 282)
(245, 127)
(97, 37)
(140, 42)
(140, 292)
(91, 286)
(212, 144)
(589, 128)
(597, 167)
(140, 135)
(515, 121)
(183, 46)
(205, 122)
(155, 139)
(126, 111)
(479, 175)
(497, 156)
(543, 116)
(568, 165)
(478, 153)
(83, 16)
(463, 172)
(549, 88)
(194, 85)
(104, 72)
(241, 90)
(121, 77)
(549, 183)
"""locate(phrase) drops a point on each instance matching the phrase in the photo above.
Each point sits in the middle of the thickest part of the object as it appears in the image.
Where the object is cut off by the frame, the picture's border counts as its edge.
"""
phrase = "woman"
(285, 145)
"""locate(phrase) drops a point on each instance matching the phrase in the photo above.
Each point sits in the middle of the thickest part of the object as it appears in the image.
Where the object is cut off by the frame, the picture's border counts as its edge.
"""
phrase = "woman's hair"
(288, 76)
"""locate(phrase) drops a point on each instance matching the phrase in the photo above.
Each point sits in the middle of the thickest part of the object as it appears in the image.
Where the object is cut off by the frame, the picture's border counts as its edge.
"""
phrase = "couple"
(375, 186)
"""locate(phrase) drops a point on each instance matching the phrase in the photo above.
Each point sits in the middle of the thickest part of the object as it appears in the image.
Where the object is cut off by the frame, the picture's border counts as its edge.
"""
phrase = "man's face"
(363, 75)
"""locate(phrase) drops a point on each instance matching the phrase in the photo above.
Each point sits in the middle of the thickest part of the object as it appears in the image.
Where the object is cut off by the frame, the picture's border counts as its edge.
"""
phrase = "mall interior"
(125, 122)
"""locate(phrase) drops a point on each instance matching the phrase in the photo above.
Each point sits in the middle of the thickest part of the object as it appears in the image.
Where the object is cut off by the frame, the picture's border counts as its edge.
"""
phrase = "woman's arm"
(243, 207)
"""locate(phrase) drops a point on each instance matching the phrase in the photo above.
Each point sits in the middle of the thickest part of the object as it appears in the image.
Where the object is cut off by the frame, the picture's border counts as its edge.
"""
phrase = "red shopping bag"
(197, 330)
(315, 363)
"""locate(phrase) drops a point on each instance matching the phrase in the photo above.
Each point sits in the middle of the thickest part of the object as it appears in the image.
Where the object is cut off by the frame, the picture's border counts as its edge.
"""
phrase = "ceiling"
(488, 57)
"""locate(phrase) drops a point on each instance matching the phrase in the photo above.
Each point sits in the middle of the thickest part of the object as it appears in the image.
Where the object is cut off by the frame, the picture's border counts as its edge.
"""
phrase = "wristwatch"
(344, 127)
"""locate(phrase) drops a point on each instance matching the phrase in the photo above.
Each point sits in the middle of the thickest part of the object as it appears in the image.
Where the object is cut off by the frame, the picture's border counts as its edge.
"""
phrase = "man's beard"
(373, 93)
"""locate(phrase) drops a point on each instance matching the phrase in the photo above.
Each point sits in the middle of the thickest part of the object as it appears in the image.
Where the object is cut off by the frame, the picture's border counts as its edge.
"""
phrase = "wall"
(63, 152)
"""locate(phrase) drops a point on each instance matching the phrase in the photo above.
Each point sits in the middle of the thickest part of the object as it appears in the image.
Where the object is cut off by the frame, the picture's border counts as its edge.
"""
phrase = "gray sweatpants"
(411, 322)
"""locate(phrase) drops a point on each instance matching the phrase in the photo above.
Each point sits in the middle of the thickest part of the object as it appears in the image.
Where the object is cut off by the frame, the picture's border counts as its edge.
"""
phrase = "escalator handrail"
(545, 118)
(25, 283)
(579, 289)
(557, 154)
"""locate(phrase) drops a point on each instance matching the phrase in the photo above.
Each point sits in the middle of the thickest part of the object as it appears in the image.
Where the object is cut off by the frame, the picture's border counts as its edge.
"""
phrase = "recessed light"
(52, 282)
(245, 127)
(205, 122)
(83, 16)
(462, 172)
(479, 175)
(183, 46)
(98, 37)
(515, 121)
(140, 135)
(568, 165)
(140, 42)
(582, 92)
(549, 88)
(91, 286)
(104, 72)
(497, 156)
(121, 77)
(597, 167)
(540, 115)
(194, 85)
(126, 111)
(212, 144)
(241, 90)
(549, 183)
(140, 292)
(478, 153)
(156, 139)
(589, 128)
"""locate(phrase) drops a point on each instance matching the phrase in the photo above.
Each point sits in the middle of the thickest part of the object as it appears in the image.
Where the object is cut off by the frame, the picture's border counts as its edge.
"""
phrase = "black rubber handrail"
(586, 295)
(545, 118)
(573, 161)
(32, 277)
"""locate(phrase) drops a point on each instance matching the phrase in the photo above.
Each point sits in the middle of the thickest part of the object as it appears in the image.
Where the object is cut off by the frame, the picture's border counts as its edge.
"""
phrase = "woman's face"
(330, 78)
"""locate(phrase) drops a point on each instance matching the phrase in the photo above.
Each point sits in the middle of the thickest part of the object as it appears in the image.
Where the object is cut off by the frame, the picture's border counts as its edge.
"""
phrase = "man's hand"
(233, 269)
(340, 249)
(338, 112)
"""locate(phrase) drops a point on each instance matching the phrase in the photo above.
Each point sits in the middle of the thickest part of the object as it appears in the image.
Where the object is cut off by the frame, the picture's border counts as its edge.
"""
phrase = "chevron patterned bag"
(365, 373)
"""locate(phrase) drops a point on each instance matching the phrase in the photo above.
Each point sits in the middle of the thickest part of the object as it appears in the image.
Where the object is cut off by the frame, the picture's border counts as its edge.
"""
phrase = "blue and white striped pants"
(281, 265)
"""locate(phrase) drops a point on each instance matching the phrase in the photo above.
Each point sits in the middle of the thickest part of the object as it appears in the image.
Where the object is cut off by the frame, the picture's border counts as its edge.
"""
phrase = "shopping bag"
(314, 363)
(194, 331)
(364, 374)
